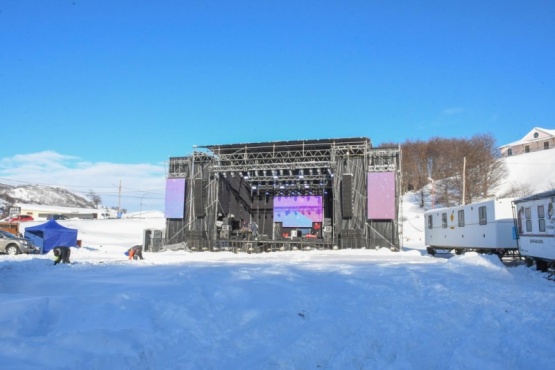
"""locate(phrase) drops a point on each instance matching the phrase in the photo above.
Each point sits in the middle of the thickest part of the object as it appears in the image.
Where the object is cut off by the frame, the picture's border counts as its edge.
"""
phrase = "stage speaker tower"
(198, 198)
(347, 195)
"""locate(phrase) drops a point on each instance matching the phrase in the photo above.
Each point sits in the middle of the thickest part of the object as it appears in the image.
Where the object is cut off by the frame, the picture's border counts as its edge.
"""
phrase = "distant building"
(535, 140)
(42, 212)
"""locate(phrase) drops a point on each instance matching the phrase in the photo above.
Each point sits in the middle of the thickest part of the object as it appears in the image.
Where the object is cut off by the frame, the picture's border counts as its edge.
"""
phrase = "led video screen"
(298, 211)
(175, 198)
(381, 196)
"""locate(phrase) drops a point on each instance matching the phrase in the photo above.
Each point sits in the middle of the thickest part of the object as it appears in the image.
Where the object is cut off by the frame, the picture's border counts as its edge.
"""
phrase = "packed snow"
(329, 309)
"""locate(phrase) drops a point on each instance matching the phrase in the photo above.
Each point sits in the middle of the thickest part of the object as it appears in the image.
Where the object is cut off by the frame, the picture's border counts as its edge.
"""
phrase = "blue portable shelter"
(51, 234)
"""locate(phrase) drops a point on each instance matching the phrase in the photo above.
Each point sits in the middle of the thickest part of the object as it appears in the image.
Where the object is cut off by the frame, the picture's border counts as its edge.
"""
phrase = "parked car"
(11, 244)
(21, 218)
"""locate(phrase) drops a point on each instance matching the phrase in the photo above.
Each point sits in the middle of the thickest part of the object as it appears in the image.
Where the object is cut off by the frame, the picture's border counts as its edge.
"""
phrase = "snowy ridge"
(44, 195)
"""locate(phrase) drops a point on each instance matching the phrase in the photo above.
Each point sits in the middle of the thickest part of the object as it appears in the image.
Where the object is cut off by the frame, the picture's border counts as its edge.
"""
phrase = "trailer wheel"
(541, 265)
(528, 261)
(458, 252)
(431, 251)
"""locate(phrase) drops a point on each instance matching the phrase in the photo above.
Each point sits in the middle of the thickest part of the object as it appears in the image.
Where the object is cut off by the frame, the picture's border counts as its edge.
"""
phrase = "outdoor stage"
(309, 194)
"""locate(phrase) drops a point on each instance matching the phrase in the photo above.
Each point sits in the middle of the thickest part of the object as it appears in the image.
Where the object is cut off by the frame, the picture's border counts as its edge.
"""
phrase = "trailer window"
(541, 218)
(483, 215)
(444, 220)
(461, 217)
(528, 214)
(430, 223)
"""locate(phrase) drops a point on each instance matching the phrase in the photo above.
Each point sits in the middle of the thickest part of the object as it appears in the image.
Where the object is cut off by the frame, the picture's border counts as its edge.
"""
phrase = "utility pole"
(464, 182)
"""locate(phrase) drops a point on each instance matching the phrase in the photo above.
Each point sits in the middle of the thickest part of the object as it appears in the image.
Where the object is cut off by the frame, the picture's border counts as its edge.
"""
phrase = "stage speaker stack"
(198, 198)
(347, 196)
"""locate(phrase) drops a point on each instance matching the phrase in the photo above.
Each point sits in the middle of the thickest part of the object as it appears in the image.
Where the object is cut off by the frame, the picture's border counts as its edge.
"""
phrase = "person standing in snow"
(135, 252)
(61, 255)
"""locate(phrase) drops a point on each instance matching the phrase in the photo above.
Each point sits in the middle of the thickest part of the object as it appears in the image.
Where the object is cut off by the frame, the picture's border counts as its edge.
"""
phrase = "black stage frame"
(230, 187)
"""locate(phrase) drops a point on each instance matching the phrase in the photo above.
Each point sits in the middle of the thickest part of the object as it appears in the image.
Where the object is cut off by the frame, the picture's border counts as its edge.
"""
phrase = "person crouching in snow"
(61, 255)
(135, 252)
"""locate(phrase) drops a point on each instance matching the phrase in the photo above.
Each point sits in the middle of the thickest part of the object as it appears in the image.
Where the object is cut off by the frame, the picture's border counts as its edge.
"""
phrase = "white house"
(537, 139)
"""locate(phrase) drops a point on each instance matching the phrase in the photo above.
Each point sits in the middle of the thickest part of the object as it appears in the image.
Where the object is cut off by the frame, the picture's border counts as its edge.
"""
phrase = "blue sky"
(136, 82)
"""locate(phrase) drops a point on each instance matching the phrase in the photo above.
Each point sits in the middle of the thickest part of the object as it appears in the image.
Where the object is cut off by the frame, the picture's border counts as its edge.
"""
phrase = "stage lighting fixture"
(232, 174)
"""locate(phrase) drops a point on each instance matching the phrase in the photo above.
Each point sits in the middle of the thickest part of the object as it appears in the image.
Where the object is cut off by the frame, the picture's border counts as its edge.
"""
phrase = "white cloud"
(142, 185)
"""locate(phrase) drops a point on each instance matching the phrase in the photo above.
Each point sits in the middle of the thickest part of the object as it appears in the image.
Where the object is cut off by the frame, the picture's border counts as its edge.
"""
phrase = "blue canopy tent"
(51, 234)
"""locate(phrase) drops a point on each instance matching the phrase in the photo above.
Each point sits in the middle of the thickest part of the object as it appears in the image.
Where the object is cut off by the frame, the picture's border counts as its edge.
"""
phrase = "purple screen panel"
(381, 196)
(298, 211)
(175, 198)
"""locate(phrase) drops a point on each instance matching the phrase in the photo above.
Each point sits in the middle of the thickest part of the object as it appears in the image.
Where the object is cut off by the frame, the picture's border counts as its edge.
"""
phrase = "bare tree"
(415, 168)
(95, 198)
(453, 163)
(485, 169)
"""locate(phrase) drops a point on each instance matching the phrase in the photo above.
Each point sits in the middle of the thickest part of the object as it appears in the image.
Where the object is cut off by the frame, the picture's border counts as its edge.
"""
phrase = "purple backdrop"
(175, 198)
(381, 195)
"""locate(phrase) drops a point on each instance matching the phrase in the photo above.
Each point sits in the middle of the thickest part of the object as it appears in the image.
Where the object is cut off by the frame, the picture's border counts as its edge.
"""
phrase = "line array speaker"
(347, 195)
(198, 197)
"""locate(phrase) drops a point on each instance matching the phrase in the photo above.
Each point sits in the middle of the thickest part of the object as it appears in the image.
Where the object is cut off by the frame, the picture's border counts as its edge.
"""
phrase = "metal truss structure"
(233, 176)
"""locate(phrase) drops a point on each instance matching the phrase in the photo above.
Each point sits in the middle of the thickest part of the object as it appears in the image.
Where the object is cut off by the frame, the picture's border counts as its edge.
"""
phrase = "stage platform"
(260, 246)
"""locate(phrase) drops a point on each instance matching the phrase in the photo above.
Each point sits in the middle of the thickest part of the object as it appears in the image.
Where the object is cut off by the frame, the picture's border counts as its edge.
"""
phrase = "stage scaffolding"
(236, 183)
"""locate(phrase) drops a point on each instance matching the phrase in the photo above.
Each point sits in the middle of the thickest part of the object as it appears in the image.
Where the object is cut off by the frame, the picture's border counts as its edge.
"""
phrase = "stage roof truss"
(180, 167)
(383, 160)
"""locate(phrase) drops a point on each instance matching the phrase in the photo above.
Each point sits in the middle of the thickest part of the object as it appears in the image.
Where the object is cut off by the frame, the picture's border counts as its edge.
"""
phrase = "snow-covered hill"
(533, 171)
(40, 194)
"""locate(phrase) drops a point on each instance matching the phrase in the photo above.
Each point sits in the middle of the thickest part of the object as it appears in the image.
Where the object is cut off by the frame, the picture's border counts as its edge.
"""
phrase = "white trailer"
(486, 227)
(535, 218)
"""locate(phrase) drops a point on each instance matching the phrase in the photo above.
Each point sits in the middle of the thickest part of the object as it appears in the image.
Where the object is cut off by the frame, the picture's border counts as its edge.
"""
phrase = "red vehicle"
(21, 218)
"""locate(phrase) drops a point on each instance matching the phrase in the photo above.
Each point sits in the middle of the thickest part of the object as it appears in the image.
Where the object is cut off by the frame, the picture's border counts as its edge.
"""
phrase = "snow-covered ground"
(343, 309)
